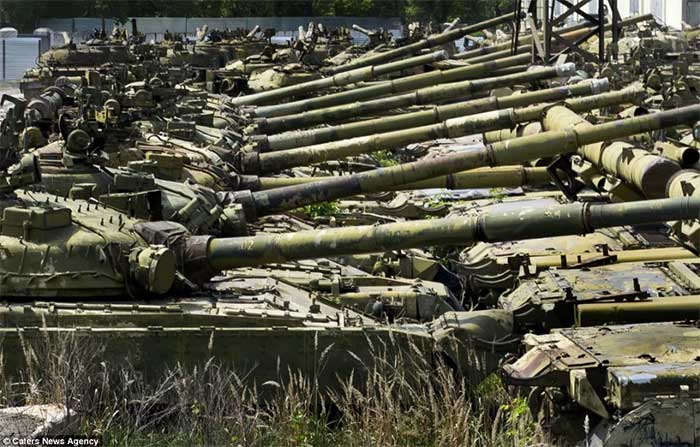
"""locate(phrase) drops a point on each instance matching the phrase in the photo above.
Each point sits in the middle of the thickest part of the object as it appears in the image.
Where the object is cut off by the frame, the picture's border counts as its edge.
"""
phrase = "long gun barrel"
(339, 80)
(256, 163)
(464, 89)
(393, 87)
(500, 224)
(436, 114)
(648, 172)
(359, 29)
(496, 177)
(498, 54)
(253, 32)
(510, 152)
(568, 33)
(429, 42)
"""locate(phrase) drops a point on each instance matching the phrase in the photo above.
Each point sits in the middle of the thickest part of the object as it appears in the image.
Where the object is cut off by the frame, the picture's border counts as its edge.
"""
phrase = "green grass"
(385, 158)
(404, 401)
(323, 209)
(498, 193)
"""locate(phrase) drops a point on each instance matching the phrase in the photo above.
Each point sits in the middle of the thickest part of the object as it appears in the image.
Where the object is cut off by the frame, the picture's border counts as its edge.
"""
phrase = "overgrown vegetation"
(498, 193)
(404, 400)
(385, 158)
(26, 13)
(323, 209)
(440, 200)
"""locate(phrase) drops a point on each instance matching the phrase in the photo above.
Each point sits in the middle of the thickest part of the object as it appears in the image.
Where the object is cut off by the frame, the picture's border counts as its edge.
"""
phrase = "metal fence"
(17, 55)
(693, 12)
(154, 27)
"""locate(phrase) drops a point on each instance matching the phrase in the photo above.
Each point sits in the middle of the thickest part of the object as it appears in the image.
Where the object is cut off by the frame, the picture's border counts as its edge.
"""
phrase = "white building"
(670, 12)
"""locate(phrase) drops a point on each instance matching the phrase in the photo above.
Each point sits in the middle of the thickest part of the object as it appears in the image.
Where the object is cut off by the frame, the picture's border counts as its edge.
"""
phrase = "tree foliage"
(25, 14)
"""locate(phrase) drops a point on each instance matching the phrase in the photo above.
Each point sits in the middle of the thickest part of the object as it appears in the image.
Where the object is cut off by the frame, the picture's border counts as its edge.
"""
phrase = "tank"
(240, 206)
(393, 87)
(624, 380)
(87, 252)
(492, 268)
(339, 80)
(267, 162)
(200, 257)
(416, 47)
(433, 115)
(596, 295)
(84, 56)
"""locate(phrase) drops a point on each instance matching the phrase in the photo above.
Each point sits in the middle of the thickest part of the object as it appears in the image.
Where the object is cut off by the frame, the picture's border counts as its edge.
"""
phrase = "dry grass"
(407, 400)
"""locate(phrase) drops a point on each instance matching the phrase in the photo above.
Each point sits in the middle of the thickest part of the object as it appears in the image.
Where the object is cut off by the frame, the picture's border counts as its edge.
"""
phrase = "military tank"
(399, 87)
(88, 251)
(201, 209)
(616, 384)
(268, 162)
(416, 47)
(116, 274)
(308, 137)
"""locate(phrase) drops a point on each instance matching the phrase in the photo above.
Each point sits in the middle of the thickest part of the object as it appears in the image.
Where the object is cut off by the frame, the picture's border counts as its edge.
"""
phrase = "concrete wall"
(154, 27)
(17, 55)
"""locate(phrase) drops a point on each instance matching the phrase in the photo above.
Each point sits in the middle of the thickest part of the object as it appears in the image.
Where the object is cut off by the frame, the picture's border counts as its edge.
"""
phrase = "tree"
(25, 15)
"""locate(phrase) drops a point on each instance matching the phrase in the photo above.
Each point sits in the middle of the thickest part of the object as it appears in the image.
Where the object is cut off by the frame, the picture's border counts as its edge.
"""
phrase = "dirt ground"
(10, 88)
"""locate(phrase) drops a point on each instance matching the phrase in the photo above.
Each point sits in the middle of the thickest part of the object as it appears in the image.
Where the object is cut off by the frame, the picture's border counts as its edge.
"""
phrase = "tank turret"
(629, 384)
(429, 42)
(520, 222)
(73, 248)
(339, 80)
(257, 163)
(435, 114)
(393, 87)
(260, 203)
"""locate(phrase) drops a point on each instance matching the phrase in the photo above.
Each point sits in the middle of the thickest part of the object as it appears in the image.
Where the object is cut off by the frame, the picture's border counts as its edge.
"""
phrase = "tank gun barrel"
(525, 222)
(498, 54)
(569, 33)
(436, 114)
(393, 87)
(496, 177)
(684, 155)
(452, 25)
(429, 42)
(253, 32)
(510, 152)
(339, 80)
(256, 163)
(441, 92)
(361, 30)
